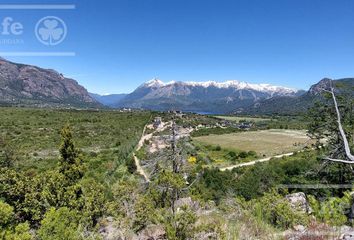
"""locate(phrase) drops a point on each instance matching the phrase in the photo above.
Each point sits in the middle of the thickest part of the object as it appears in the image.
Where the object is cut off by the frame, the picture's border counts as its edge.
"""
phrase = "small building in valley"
(157, 122)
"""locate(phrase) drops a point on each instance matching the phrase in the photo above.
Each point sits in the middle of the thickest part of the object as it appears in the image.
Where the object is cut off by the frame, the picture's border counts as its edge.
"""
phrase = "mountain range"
(28, 85)
(206, 97)
(227, 97)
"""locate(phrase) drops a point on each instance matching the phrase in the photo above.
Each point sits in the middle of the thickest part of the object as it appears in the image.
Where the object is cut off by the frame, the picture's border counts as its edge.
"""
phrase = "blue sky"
(120, 44)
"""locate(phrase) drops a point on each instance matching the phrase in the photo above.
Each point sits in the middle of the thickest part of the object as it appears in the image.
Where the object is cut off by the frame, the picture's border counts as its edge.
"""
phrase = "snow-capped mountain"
(263, 87)
(211, 96)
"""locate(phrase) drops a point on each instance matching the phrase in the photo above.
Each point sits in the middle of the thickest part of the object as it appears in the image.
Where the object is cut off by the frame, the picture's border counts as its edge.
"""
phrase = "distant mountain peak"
(318, 88)
(239, 85)
(153, 82)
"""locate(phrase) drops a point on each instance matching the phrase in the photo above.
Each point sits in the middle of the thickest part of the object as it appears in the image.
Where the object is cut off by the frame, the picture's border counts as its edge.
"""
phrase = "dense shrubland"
(73, 184)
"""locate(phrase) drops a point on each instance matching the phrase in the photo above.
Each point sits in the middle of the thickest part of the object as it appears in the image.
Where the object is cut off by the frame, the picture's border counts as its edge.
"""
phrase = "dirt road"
(255, 161)
(144, 137)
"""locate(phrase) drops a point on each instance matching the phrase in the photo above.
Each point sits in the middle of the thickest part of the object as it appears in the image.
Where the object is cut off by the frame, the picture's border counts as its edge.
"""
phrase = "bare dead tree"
(175, 163)
(345, 143)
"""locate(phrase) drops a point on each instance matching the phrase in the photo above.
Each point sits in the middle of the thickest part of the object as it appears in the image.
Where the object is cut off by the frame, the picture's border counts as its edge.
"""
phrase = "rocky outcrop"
(152, 232)
(319, 231)
(298, 201)
(110, 229)
(186, 202)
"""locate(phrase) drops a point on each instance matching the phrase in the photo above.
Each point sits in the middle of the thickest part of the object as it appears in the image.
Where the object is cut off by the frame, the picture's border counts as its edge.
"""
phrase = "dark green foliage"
(218, 148)
(213, 185)
(243, 154)
(253, 181)
(297, 122)
(131, 165)
(70, 163)
(232, 154)
(217, 130)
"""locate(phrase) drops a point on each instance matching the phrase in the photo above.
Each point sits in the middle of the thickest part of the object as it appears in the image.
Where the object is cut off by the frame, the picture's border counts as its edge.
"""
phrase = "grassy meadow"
(264, 143)
(217, 156)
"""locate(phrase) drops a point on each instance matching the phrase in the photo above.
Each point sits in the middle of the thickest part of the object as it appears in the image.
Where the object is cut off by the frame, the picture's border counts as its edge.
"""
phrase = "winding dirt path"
(256, 161)
(144, 137)
(139, 169)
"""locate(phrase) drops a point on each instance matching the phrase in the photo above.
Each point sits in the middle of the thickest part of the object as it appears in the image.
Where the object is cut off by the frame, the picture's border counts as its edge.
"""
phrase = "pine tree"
(70, 163)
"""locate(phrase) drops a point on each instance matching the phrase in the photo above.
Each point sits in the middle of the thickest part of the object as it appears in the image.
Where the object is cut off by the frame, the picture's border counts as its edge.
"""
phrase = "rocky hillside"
(206, 97)
(33, 86)
(299, 104)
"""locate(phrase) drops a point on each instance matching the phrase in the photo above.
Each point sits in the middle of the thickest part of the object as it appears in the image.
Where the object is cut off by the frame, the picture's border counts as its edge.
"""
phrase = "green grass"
(105, 137)
(264, 143)
(217, 156)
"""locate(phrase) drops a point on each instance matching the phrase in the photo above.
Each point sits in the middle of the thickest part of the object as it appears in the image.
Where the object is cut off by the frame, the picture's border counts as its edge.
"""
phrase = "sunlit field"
(264, 143)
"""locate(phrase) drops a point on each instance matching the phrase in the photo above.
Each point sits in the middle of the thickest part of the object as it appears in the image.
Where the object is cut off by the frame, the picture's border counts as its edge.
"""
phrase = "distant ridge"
(296, 105)
(109, 99)
(28, 85)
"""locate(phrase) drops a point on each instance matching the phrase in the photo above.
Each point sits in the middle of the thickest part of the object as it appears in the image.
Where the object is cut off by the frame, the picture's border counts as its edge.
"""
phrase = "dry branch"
(342, 133)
